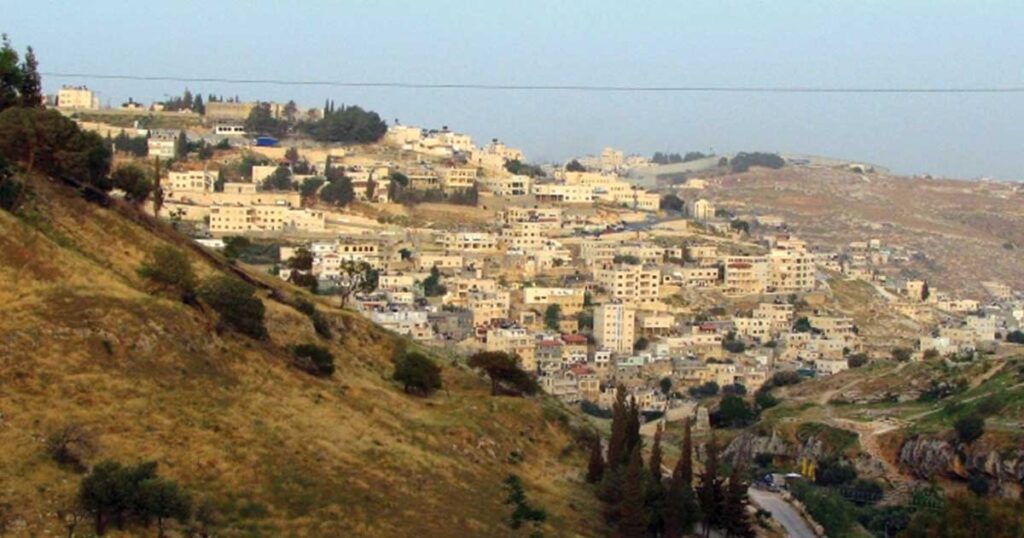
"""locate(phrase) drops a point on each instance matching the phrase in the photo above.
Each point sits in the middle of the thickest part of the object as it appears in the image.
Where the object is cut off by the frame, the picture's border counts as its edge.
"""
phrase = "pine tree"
(617, 443)
(595, 468)
(710, 491)
(31, 85)
(632, 512)
(681, 509)
(655, 492)
(735, 518)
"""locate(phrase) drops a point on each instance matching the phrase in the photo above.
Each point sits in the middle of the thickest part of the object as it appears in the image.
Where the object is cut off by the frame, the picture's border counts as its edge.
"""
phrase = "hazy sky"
(890, 43)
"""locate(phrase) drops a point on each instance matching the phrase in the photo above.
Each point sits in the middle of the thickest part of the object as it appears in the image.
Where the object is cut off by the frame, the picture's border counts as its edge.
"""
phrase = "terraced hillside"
(273, 450)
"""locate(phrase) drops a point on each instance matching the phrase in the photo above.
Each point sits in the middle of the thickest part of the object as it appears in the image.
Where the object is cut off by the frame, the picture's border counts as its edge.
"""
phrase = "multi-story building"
(793, 267)
(746, 275)
(469, 242)
(225, 219)
(569, 299)
(77, 97)
(561, 193)
(637, 285)
(614, 327)
(506, 186)
(523, 236)
(458, 178)
(163, 143)
(549, 218)
(191, 182)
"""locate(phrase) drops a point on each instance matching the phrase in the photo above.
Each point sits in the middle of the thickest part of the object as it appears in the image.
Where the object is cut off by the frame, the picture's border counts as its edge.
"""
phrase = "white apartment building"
(614, 327)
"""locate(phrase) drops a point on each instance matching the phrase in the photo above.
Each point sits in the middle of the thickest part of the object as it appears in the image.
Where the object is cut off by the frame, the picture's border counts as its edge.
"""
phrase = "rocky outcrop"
(929, 457)
(747, 445)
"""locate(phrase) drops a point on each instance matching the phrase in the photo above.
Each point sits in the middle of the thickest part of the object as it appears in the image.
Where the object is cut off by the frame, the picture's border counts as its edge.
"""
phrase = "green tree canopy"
(417, 373)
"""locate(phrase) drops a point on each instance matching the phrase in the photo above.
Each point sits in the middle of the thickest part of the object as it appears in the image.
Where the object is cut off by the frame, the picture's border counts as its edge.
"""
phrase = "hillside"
(964, 232)
(273, 449)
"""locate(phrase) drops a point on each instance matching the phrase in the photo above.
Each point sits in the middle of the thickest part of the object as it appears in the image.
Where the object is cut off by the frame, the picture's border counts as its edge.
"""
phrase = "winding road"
(783, 512)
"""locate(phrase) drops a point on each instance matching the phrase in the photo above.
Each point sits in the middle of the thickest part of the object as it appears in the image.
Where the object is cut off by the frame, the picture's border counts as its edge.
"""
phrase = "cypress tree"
(655, 497)
(710, 492)
(632, 512)
(654, 463)
(617, 442)
(681, 509)
(31, 85)
(735, 518)
(632, 427)
(595, 468)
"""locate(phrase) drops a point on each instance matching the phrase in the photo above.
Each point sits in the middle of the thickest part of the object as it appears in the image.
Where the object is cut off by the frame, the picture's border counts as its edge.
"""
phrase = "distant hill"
(272, 449)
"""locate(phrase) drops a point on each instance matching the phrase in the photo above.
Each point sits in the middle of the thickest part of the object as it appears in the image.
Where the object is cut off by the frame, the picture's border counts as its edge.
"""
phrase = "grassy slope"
(280, 452)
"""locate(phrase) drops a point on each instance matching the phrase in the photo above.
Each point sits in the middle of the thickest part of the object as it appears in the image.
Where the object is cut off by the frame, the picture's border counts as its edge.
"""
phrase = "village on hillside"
(592, 278)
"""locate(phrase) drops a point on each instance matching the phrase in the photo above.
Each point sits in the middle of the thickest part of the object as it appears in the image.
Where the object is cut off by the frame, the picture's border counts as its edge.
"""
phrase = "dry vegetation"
(277, 451)
(968, 231)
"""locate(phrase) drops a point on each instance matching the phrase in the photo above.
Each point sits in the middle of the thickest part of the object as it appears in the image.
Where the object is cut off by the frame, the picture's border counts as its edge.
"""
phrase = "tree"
(71, 445)
(522, 510)
(671, 202)
(552, 315)
(338, 192)
(237, 305)
(735, 518)
(710, 491)
(112, 492)
(355, 277)
(654, 463)
(310, 186)
(164, 499)
(617, 442)
(633, 516)
(169, 269)
(967, 515)
(504, 372)
(1015, 337)
(733, 412)
(11, 75)
(218, 184)
(743, 161)
(969, 428)
(45, 141)
(802, 325)
(641, 343)
(197, 105)
(901, 354)
(290, 111)
(417, 373)
(595, 466)
(633, 438)
(575, 166)
(261, 122)
(857, 360)
(31, 89)
(432, 286)
(280, 180)
(314, 359)
(181, 145)
(665, 385)
(134, 181)
(348, 125)
(291, 155)
(681, 509)
(925, 292)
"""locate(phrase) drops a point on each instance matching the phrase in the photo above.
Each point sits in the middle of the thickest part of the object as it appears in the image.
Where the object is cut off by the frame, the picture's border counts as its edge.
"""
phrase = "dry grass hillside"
(965, 231)
(277, 451)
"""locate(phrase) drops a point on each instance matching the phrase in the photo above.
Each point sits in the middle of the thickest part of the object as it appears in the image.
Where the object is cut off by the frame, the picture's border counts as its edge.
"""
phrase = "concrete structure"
(614, 327)
(77, 98)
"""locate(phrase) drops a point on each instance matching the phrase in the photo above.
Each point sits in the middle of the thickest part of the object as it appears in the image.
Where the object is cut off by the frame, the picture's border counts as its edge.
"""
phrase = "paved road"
(783, 512)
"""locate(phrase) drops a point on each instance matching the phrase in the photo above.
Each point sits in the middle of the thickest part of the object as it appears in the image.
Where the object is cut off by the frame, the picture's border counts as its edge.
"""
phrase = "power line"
(544, 87)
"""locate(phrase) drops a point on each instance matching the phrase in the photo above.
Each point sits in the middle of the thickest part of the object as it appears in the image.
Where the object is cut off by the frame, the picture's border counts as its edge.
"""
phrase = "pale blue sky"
(936, 43)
